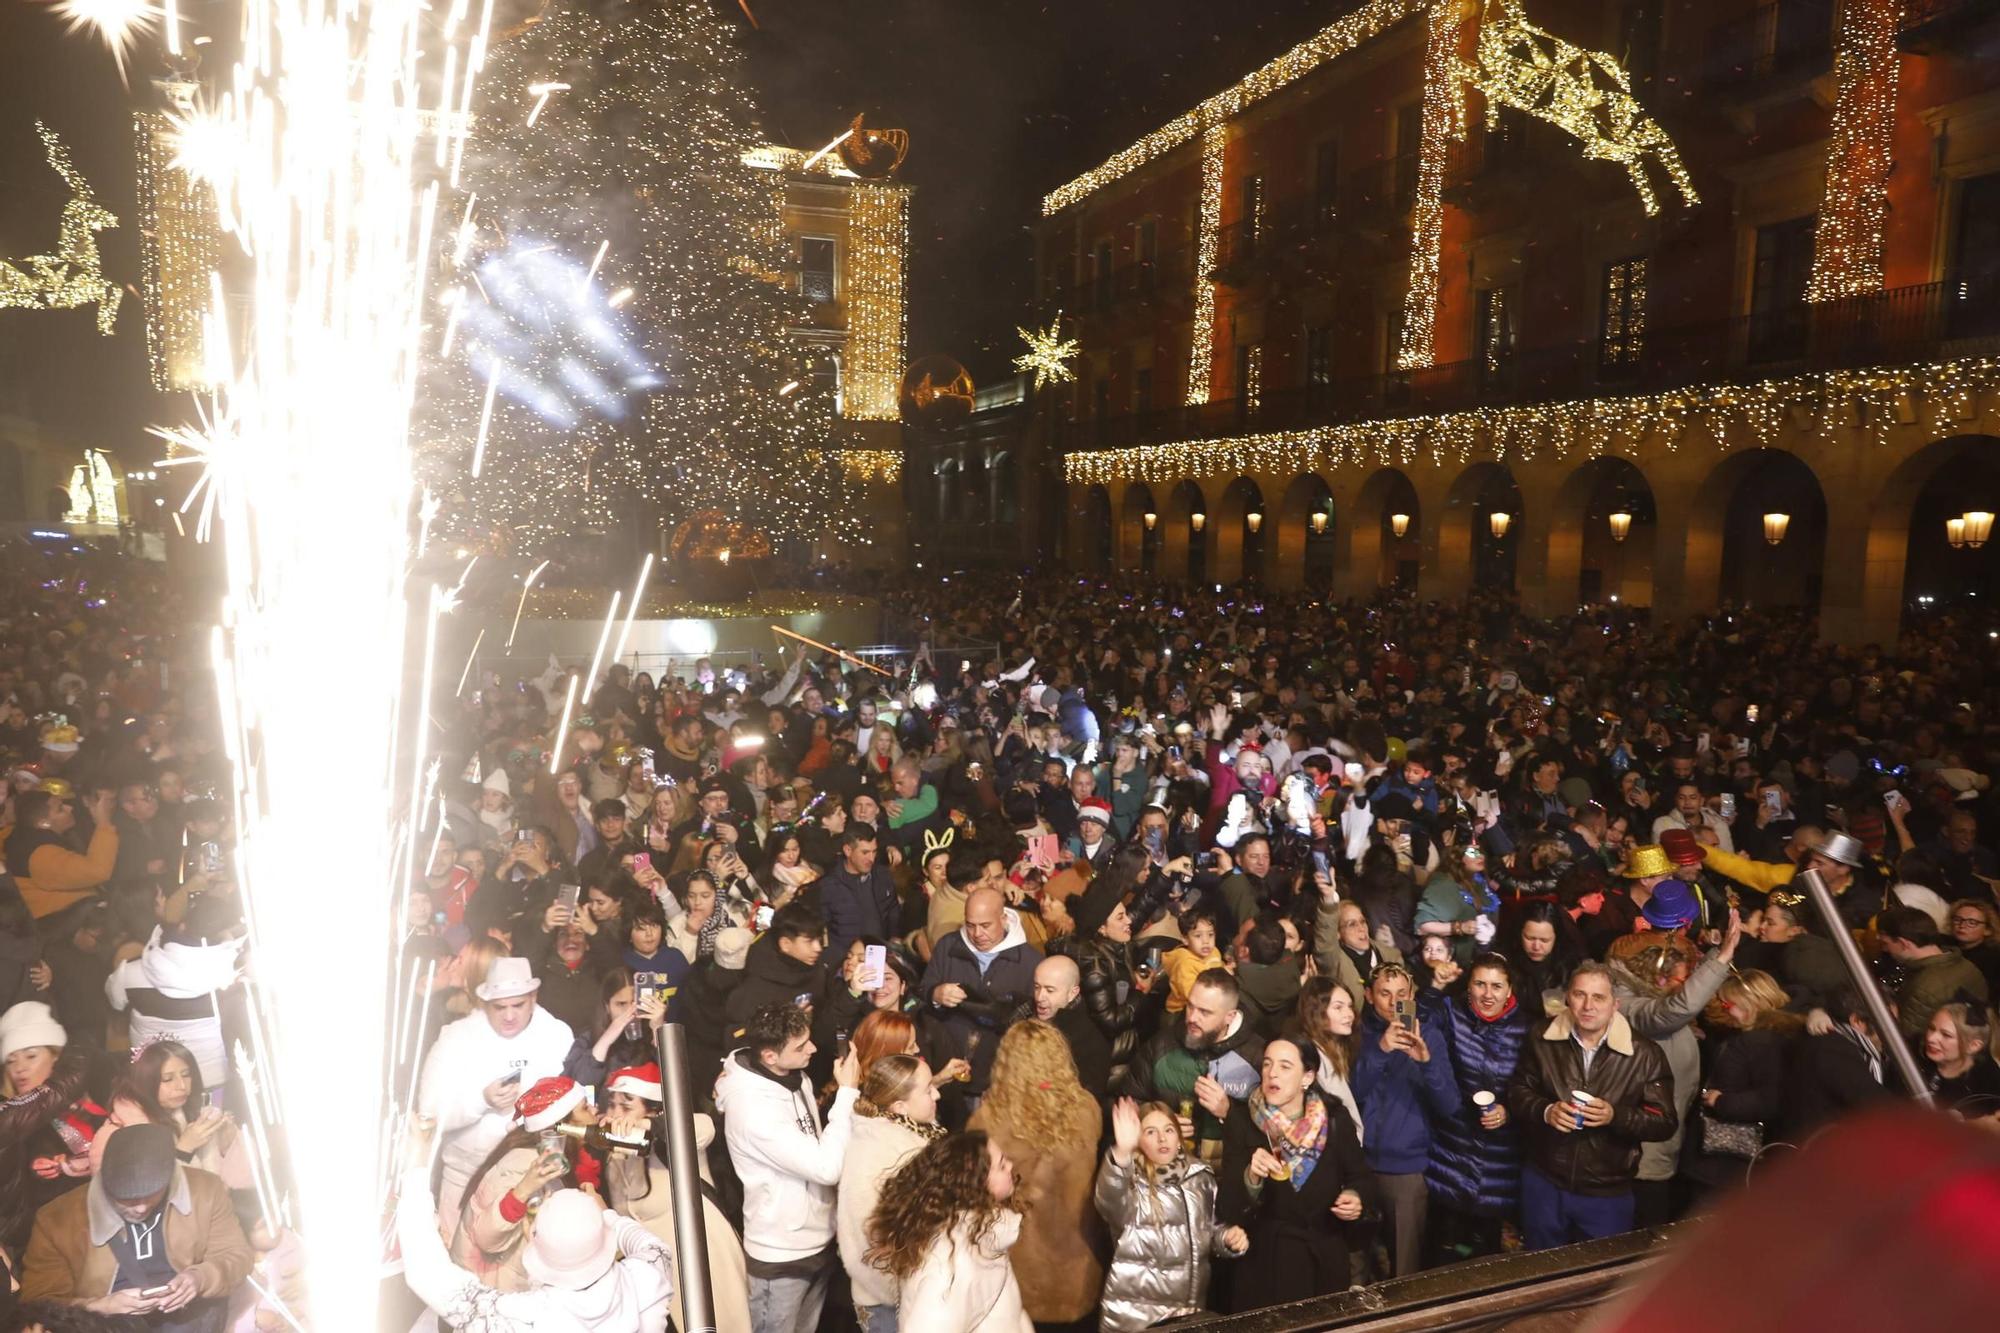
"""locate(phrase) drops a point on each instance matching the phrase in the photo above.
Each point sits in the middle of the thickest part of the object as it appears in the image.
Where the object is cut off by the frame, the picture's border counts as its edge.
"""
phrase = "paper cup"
(1483, 1100)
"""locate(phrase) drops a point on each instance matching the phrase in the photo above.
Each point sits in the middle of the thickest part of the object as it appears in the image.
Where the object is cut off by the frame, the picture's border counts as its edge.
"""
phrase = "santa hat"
(548, 1103)
(637, 1080)
(1097, 810)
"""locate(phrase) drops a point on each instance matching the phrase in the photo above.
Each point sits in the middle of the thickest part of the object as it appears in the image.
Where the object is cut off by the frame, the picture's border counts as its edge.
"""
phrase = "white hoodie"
(156, 986)
(788, 1164)
(468, 1055)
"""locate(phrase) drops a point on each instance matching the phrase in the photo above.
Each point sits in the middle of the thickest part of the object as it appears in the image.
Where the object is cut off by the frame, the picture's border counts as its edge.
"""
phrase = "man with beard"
(1211, 1060)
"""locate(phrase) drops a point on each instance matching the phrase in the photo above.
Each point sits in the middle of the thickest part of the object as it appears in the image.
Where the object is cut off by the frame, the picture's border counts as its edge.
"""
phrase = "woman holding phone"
(624, 1033)
(535, 1158)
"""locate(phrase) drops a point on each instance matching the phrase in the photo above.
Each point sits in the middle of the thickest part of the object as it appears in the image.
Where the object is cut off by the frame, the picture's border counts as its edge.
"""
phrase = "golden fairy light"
(1048, 354)
(1201, 348)
(1847, 250)
(73, 276)
(1442, 118)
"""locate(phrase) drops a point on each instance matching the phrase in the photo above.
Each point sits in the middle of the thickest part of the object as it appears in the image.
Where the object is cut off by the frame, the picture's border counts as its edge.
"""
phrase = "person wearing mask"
(148, 1237)
(1047, 1124)
(943, 1232)
(858, 895)
(978, 979)
(894, 1118)
(1403, 1085)
(1588, 1092)
(589, 1269)
(789, 1164)
(1932, 972)
(478, 1068)
(1475, 1167)
(1293, 1176)
(1159, 1203)
(1058, 1001)
(1663, 984)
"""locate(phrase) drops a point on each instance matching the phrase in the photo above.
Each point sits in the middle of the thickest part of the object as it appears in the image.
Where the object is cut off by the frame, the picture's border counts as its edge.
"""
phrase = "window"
(1326, 181)
(1100, 277)
(1621, 325)
(1409, 140)
(1319, 362)
(1146, 251)
(822, 373)
(1975, 263)
(1778, 289)
(1494, 335)
(816, 268)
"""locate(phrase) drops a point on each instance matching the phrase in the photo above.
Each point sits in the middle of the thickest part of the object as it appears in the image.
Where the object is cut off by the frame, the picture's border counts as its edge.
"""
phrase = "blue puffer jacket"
(1472, 1169)
(1400, 1098)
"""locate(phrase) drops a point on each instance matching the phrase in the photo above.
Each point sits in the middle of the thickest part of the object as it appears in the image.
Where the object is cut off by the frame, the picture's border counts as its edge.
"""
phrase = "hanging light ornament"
(1774, 527)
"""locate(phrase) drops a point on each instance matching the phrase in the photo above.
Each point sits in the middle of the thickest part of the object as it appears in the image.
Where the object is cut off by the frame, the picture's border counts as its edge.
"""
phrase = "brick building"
(1563, 294)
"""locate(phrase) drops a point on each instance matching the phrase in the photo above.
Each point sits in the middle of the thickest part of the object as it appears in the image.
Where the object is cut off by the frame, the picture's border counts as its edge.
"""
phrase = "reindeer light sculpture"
(1584, 93)
(73, 276)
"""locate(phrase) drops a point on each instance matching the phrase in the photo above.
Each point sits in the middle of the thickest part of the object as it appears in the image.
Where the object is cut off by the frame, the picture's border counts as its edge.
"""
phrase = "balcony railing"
(1133, 281)
(1895, 327)
(1777, 45)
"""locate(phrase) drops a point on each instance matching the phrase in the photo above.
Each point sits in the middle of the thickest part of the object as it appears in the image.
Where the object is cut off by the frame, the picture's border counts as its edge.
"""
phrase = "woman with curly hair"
(895, 1117)
(1039, 1113)
(943, 1231)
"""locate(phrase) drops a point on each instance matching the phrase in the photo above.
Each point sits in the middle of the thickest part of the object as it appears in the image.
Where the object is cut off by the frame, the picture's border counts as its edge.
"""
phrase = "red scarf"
(1512, 1000)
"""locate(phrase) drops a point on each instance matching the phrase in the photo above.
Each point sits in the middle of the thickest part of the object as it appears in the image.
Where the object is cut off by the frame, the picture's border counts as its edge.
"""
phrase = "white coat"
(874, 1150)
(468, 1055)
(966, 1285)
(787, 1162)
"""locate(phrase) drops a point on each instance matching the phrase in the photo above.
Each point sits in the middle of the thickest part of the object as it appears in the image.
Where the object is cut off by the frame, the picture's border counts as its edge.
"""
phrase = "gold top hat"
(59, 788)
(1646, 861)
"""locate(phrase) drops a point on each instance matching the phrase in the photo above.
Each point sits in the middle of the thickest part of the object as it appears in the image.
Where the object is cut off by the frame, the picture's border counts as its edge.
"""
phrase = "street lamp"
(1621, 525)
(1254, 520)
(1151, 519)
(1498, 521)
(1954, 532)
(1197, 521)
(1319, 522)
(1399, 524)
(1978, 527)
(1774, 527)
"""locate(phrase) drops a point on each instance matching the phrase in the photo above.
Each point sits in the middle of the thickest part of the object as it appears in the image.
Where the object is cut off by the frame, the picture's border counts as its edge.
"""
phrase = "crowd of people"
(1193, 951)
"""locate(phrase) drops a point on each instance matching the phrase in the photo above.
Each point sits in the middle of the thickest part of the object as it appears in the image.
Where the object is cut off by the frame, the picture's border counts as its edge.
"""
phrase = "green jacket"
(1931, 983)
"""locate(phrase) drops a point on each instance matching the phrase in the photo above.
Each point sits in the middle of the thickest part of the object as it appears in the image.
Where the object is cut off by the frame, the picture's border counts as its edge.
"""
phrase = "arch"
(1184, 553)
(1908, 554)
(1587, 559)
(1302, 554)
(1098, 553)
(1728, 558)
(1239, 524)
(1003, 475)
(1376, 556)
(1138, 544)
(1465, 536)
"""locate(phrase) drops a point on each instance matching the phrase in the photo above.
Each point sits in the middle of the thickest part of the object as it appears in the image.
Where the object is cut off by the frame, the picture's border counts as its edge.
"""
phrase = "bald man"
(1059, 1001)
(980, 979)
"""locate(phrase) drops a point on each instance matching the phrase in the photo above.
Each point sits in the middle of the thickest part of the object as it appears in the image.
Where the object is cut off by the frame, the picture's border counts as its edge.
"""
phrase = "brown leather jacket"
(1628, 1071)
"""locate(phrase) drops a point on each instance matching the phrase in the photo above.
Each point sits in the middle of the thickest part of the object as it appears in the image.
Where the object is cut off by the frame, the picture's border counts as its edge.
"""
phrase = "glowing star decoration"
(1048, 354)
(119, 22)
(72, 277)
(1583, 93)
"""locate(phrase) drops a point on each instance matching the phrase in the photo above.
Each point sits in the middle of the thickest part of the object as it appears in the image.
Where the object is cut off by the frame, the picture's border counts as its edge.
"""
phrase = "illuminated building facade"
(1731, 259)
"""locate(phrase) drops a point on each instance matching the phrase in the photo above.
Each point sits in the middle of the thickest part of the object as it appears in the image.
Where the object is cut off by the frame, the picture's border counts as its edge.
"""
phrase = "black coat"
(1113, 1003)
(1087, 1047)
(1828, 1078)
(1748, 1069)
(701, 1006)
(856, 905)
(1298, 1248)
(771, 976)
(971, 1030)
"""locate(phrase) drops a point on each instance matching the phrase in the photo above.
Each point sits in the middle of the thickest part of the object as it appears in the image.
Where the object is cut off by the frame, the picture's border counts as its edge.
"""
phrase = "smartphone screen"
(567, 895)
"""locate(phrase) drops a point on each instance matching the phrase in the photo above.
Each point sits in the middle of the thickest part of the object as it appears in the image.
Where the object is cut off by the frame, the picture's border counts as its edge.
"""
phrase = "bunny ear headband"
(937, 842)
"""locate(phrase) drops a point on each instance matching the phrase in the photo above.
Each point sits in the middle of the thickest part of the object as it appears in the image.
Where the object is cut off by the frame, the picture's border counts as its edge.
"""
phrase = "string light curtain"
(1443, 120)
(878, 246)
(1847, 251)
(179, 247)
(1201, 345)
(1828, 401)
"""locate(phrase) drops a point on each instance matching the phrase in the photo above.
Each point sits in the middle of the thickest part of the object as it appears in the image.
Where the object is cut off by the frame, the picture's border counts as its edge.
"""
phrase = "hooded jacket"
(1665, 1017)
(875, 1148)
(772, 976)
(1628, 1070)
(172, 990)
(992, 996)
(1474, 1169)
(787, 1162)
(1166, 1235)
(1400, 1097)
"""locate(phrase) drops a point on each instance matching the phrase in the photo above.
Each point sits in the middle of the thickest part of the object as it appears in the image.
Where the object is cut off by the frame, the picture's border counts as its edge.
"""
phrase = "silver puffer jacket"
(1166, 1236)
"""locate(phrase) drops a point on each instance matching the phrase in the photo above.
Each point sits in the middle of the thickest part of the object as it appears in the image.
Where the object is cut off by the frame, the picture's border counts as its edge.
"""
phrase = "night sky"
(1003, 99)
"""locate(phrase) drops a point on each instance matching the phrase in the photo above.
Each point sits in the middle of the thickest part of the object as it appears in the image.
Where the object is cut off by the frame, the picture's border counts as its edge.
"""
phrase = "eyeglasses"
(1968, 921)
